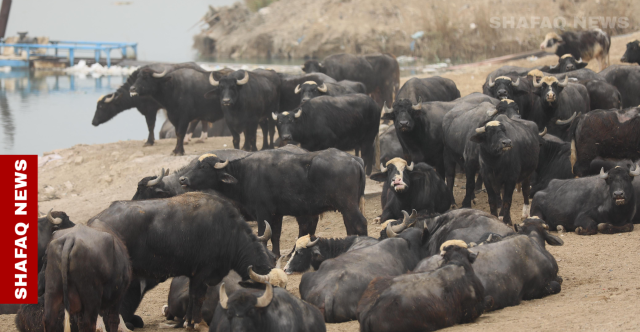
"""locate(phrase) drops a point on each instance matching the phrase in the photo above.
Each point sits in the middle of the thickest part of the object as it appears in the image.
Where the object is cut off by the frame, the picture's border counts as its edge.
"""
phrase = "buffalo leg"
(307, 225)
(131, 301)
(181, 129)
(151, 124)
(205, 131)
(526, 189)
(470, 173)
(506, 202)
(276, 229)
(585, 225)
(367, 150)
(197, 290)
(354, 221)
(449, 172)
(493, 200)
(264, 126)
(478, 185)
(190, 130)
(272, 131)
(113, 318)
(236, 138)
(51, 310)
(606, 228)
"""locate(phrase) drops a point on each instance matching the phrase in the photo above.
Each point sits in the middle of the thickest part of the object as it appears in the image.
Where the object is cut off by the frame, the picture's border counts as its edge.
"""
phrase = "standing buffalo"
(632, 54)
(274, 183)
(560, 102)
(344, 122)
(247, 99)
(434, 88)
(451, 294)
(509, 151)
(602, 203)
(585, 45)
(627, 80)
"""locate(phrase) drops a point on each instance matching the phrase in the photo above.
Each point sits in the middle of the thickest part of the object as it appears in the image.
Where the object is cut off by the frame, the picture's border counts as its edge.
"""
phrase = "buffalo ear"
(228, 178)
(553, 240)
(210, 94)
(162, 193)
(478, 138)
(472, 256)
(388, 116)
(379, 177)
(581, 65)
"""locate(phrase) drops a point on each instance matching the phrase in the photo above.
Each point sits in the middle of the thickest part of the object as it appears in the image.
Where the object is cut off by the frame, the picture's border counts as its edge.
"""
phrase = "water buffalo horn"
(213, 81)
(298, 113)
(156, 75)
(258, 277)
(312, 243)
(544, 132)
(492, 112)
(535, 83)
(566, 81)
(491, 82)
(405, 222)
(266, 298)
(267, 233)
(414, 213)
(244, 80)
(221, 165)
(223, 297)
(580, 60)
(386, 109)
(297, 90)
(563, 122)
(109, 99)
(382, 168)
(636, 171)
(516, 83)
(322, 88)
(553, 67)
(55, 221)
(417, 106)
(603, 175)
(410, 167)
(157, 180)
(390, 232)
(274, 116)
(481, 130)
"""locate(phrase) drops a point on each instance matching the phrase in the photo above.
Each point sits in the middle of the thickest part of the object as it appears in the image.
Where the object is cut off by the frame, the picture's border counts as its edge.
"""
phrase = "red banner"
(18, 229)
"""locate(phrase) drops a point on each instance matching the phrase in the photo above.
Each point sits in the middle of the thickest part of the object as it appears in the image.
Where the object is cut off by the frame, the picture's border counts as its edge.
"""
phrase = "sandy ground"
(601, 288)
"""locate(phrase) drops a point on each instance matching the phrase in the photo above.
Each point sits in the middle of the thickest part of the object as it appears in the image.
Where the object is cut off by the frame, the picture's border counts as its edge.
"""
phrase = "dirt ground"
(601, 289)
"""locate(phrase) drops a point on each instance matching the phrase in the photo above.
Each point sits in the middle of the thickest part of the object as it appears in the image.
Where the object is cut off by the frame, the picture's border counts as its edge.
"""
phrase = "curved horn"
(274, 116)
(603, 175)
(55, 221)
(535, 83)
(109, 99)
(544, 132)
(405, 222)
(563, 122)
(223, 297)
(266, 298)
(410, 167)
(390, 232)
(417, 106)
(297, 89)
(323, 88)
(298, 113)
(382, 168)
(635, 172)
(492, 112)
(553, 67)
(516, 83)
(566, 81)
(580, 60)
(386, 109)
(156, 75)
(221, 165)
(481, 130)
(312, 243)
(267, 233)
(244, 80)
(257, 277)
(491, 82)
(213, 81)
(157, 180)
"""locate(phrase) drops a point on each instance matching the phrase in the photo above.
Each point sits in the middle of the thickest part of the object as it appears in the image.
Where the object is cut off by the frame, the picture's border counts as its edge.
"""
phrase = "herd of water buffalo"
(566, 135)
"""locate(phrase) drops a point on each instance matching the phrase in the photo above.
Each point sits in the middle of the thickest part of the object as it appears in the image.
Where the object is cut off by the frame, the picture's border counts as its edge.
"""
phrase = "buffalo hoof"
(553, 288)
(147, 144)
(129, 326)
(559, 280)
(137, 321)
(376, 220)
(177, 153)
(560, 229)
(164, 310)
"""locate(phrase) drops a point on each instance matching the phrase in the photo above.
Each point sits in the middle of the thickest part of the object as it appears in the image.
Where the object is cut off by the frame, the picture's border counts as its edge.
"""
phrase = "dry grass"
(255, 5)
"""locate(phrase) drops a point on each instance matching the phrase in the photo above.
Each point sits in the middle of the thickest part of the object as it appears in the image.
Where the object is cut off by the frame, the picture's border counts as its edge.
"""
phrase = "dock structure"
(53, 53)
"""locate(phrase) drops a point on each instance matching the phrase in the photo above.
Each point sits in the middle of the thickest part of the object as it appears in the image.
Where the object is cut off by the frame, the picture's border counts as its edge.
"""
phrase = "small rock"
(74, 195)
(115, 153)
(106, 178)
(49, 190)
(78, 160)
(69, 185)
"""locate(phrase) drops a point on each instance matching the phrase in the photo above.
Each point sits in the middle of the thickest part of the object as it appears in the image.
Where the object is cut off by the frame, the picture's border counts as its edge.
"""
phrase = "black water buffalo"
(311, 89)
(553, 163)
(585, 45)
(632, 54)
(47, 225)
(380, 73)
(559, 102)
(508, 278)
(509, 150)
(602, 203)
(627, 80)
(114, 103)
(458, 126)
(344, 122)
(434, 88)
(608, 164)
(307, 185)
(272, 310)
(309, 254)
(566, 63)
(247, 100)
(289, 99)
(87, 274)
(414, 187)
(181, 92)
(210, 222)
(340, 282)
(605, 134)
(449, 295)
(168, 185)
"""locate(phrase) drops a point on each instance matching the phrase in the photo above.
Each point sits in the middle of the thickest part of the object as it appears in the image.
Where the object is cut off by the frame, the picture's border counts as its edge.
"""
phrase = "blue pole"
(108, 51)
(98, 55)
(124, 52)
(28, 53)
(135, 51)
(71, 57)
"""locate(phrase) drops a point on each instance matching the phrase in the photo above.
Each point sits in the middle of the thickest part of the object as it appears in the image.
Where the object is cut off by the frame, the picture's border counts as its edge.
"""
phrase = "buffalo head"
(108, 106)
(228, 87)
(398, 173)
(209, 173)
(549, 88)
(492, 138)
(632, 54)
(313, 66)
(152, 187)
(536, 228)
(310, 89)
(148, 82)
(619, 181)
(503, 87)
(306, 257)
(567, 63)
(285, 122)
(403, 114)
